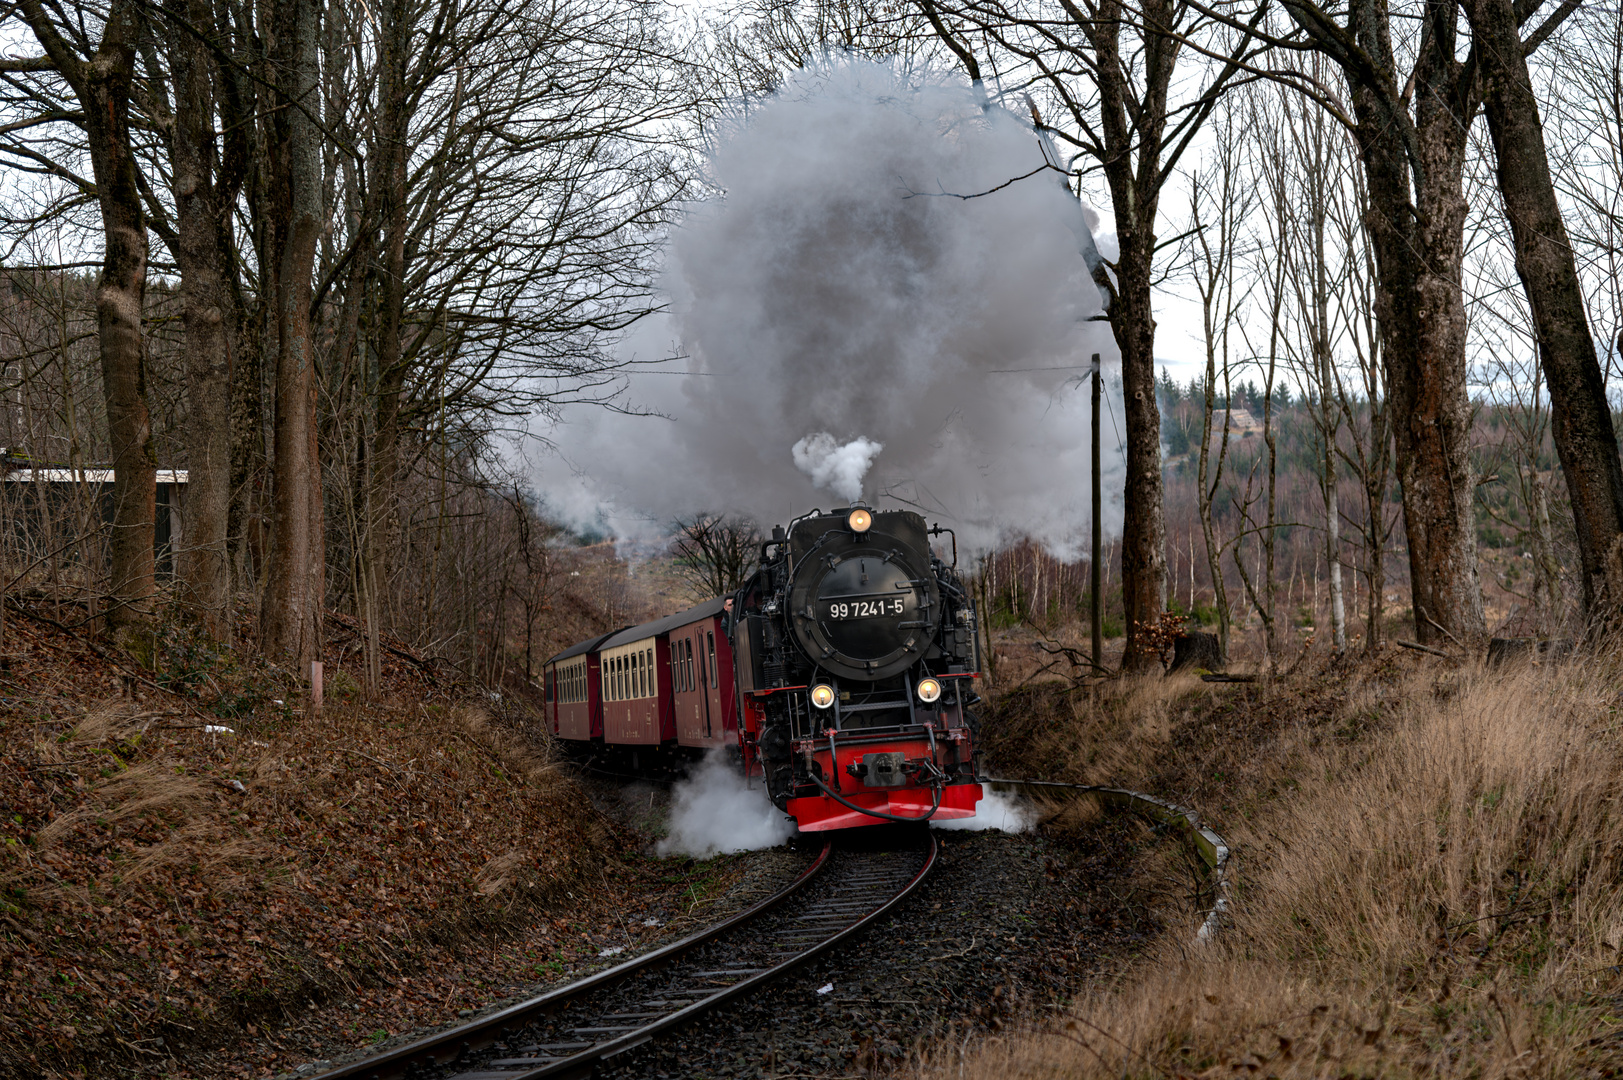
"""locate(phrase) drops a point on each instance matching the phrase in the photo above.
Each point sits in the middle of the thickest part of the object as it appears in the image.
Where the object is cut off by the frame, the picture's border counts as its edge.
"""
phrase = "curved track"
(573, 1030)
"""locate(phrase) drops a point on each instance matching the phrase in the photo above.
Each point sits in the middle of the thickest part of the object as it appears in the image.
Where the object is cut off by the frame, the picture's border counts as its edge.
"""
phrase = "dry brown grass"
(1434, 893)
(1115, 732)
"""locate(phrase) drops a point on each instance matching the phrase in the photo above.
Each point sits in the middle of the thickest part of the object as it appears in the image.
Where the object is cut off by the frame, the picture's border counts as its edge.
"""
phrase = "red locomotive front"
(855, 648)
(842, 674)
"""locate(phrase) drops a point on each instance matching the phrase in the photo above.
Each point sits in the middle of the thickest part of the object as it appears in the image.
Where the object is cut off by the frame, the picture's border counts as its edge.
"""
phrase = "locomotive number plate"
(865, 609)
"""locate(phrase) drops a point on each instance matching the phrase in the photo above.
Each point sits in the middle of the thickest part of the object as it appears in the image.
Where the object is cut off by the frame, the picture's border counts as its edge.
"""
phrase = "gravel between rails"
(857, 879)
(1007, 927)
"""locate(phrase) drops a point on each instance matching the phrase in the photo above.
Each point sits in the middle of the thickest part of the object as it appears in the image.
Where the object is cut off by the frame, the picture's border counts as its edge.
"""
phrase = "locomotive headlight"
(929, 690)
(860, 521)
(822, 695)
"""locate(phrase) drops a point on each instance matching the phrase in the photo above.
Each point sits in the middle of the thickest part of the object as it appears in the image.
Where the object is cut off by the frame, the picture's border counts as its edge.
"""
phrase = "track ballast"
(579, 1028)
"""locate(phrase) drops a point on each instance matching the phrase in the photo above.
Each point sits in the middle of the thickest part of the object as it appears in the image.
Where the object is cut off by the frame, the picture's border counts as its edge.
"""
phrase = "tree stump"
(1556, 649)
(1503, 651)
(1198, 650)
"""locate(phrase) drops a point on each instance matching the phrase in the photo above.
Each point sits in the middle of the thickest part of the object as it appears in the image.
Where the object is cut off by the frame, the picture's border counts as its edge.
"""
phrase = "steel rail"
(447, 1046)
(1213, 849)
(587, 1062)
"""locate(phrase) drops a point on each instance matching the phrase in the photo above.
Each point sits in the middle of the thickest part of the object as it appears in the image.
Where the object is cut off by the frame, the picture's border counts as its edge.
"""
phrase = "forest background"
(333, 260)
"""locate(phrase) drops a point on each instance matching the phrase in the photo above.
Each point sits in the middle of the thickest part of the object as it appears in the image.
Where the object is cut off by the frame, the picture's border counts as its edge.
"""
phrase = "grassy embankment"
(1430, 871)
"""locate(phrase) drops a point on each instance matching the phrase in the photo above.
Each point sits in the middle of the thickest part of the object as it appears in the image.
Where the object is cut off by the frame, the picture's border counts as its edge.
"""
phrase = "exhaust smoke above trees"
(851, 327)
(811, 251)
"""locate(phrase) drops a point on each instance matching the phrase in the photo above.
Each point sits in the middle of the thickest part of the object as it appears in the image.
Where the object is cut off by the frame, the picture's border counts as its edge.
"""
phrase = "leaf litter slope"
(166, 887)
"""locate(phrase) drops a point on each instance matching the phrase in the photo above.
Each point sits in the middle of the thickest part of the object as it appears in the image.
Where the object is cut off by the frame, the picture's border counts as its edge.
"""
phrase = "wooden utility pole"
(1098, 529)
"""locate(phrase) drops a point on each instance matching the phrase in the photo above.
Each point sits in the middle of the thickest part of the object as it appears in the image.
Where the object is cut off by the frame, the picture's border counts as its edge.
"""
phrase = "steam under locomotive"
(841, 675)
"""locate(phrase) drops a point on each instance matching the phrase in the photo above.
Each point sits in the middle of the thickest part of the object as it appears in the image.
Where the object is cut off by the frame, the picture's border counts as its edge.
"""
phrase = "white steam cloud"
(716, 810)
(838, 468)
(837, 287)
(996, 810)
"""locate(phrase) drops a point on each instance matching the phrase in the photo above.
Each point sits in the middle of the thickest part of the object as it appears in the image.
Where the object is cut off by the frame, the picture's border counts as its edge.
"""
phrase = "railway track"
(575, 1029)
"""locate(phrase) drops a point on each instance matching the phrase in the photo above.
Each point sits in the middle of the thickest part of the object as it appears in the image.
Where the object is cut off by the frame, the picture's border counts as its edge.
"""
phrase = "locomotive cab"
(856, 650)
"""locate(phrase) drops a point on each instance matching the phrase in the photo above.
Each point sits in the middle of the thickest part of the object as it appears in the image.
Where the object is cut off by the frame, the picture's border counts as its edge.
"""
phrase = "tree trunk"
(1328, 430)
(386, 208)
(291, 617)
(1270, 538)
(1419, 245)
(1581, 420)
(1377, 590)
(1135, 194)
(1546, 570)
(1427, 379)
(102, 85)
(1143, 552)
(243, 139)
(1330, 427)
(1332, 556)
(205, 566)
(1204, 491)
(119, 298)
(245, 527)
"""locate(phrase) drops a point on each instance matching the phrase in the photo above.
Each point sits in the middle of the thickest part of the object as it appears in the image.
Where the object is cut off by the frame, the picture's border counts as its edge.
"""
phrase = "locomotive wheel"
(775, 741)
(779, 781)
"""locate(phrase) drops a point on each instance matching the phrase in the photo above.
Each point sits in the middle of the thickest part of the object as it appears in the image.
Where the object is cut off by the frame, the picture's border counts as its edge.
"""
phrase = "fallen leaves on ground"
(161, 883)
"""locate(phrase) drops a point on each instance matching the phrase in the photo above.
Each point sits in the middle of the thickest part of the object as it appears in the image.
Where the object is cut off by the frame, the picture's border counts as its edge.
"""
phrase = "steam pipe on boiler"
(937, 531)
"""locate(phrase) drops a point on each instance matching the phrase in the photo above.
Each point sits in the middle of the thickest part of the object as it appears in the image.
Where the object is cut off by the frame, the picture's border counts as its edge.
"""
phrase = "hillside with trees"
(335, 262)
(315, 262)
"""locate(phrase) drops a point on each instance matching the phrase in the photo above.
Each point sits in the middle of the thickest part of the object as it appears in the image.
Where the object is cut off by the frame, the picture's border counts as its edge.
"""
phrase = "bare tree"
(1269, 274)
(535, 588)
(1110, 72)
(1360, 387)
(1513, 440)
(500, 235)
(203, 188)
(1582, 84)
(1219, 202)
(427, 220)
(290, 618)
(717, 552)
(49, 364)
(1413, 162)
(100, 75)
(754, 43)
(1582, 426)
(1516, 440)
(1302, 173)
(1412, 133)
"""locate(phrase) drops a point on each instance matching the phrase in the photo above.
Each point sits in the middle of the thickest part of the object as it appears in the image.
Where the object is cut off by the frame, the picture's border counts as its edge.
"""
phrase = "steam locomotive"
(840, 676)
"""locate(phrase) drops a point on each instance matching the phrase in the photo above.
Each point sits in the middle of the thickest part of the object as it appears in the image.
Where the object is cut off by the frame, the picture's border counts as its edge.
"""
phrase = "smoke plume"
(715, 811)
(838, 468)
(847, 322)
(996, 810)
